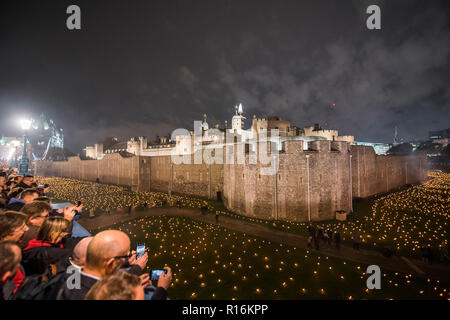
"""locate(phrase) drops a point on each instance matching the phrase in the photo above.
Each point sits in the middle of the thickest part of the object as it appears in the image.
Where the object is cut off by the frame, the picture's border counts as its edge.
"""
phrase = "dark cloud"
(145, 68)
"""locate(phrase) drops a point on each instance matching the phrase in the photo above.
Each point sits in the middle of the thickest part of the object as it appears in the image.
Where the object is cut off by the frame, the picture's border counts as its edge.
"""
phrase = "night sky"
(148, 67)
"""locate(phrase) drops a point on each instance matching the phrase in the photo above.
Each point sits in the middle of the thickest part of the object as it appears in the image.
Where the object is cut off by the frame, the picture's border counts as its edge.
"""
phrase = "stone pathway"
(395, 263)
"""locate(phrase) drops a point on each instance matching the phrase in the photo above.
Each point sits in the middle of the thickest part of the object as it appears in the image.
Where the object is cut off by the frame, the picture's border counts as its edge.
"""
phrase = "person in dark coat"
(356, 242)
(330, 236)
(320, 234)
(310, 230)
(204, 209)
(337, 239)
(10, 255)
(317, 240)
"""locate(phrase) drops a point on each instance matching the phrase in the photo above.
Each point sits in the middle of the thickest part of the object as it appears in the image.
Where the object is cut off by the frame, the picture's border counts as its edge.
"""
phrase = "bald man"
(78, 258)
(105, 255)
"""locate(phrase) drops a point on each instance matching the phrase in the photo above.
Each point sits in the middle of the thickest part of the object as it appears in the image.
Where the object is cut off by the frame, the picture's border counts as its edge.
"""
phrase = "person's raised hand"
(79, 208)
(165, 279)
(69, 212)
(145, 280)
(142, 261)
(132, 259)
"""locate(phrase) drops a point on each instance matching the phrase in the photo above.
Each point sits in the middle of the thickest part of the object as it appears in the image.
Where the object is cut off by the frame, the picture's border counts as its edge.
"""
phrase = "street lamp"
(23, 165)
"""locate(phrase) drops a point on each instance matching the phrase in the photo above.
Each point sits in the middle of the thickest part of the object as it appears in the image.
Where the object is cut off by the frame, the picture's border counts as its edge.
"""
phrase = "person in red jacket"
(47, 248)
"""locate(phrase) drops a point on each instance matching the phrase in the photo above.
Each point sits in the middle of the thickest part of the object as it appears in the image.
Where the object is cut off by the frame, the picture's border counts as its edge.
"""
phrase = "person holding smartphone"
(163, 281)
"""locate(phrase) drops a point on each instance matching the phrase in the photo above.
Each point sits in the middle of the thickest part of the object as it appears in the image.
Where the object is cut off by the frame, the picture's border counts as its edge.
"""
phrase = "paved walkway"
(395, 263)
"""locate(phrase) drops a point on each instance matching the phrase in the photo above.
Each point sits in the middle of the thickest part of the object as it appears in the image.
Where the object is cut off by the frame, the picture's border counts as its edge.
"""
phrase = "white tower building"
(237, 123)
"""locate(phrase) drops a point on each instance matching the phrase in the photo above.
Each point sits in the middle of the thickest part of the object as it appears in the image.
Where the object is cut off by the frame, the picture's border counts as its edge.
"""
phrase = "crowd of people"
(317, 235)
(46, 255)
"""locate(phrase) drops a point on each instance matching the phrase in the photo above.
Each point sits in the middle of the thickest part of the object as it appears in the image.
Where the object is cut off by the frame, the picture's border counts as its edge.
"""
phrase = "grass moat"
(402, 220)
(212, 262)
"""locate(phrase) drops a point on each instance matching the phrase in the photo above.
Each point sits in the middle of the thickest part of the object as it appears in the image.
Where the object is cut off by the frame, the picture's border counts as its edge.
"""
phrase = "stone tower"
(237, 123)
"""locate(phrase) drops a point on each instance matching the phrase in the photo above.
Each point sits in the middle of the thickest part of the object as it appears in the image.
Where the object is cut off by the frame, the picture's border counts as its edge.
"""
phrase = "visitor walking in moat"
(311, 230)
(424, 252)
(356, 242)
(204, 208)
(325, 238)
(330, 236)
(310, 239)
(337, 239)
(317, 240)
(320, 234)
(443, 251)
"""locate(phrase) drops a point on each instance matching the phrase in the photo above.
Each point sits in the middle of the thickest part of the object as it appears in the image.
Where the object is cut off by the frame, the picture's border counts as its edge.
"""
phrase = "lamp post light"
(23, 165)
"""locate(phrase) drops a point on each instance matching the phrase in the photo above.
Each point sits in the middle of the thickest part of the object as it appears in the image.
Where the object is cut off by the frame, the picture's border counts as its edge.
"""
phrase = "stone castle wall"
(373, 174)
(310, 184)
(141, 173)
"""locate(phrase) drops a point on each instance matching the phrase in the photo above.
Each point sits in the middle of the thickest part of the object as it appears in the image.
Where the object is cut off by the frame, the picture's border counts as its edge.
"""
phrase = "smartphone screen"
(154, 275)
(140, 250)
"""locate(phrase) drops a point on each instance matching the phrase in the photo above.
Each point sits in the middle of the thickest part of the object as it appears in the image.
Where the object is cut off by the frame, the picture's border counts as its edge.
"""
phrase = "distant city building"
(11, 149)
(441, 137)
(45, 135)
(41, 137)
(379, 148)
(440, 134)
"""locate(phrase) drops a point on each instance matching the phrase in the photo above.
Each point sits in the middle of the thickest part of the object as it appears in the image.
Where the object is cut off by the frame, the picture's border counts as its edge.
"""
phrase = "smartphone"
(78, 203)
(154, 275)
(140, 250)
